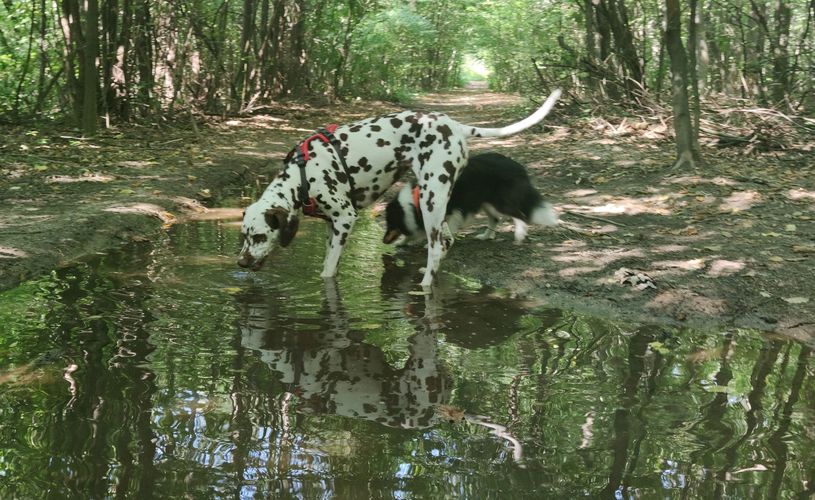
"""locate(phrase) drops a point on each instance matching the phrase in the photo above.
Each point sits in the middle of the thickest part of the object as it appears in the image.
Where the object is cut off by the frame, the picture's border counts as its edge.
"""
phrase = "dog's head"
(262, 228)
(400, 217)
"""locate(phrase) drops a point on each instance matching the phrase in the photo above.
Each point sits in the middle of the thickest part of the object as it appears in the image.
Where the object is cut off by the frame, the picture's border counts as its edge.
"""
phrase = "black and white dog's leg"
(339, 228)
(493, 218)
(520, 230)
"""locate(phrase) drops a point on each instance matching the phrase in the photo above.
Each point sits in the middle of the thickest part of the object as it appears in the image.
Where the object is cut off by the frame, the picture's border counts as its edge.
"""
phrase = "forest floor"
(731, 245)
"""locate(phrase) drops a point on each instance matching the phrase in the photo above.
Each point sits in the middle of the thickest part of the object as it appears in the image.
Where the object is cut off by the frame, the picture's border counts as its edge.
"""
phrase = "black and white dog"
(343, 169)
(490, 182)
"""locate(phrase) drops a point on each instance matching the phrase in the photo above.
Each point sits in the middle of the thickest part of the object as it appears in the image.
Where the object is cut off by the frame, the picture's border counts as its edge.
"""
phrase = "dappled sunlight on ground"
(569, 272)
(11, 253)
(692, 180)
(67, 179)
(740, 201)
(721, 267)
(669, 248)
(799, 194)
(577, 193)
(687, 265)
(603, 256)
(137, 164)
(477, 99)
(658, 204)
(685, 300)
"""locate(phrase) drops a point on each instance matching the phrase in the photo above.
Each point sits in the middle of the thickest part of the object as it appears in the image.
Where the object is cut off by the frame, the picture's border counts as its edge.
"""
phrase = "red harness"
(304, 145)
(310, 207)
(416, 207)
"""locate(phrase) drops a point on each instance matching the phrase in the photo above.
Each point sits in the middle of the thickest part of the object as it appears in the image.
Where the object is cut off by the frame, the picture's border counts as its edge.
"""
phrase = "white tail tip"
(544, 215)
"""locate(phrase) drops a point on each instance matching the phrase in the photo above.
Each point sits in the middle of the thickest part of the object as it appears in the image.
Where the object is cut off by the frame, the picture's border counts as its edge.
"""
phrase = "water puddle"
(165, 370)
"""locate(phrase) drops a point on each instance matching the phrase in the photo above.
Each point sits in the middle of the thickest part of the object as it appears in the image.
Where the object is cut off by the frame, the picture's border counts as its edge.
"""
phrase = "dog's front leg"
(338, 231)
(439, 240)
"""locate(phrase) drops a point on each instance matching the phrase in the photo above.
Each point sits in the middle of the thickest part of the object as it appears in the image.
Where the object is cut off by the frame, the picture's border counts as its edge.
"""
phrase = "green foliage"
(225, 56)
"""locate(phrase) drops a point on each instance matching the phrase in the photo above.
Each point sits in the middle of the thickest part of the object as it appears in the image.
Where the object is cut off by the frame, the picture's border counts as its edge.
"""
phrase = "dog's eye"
(258, 238)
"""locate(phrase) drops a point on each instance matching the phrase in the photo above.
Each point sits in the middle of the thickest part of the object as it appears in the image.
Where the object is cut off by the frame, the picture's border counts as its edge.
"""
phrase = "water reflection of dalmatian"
(334, 374)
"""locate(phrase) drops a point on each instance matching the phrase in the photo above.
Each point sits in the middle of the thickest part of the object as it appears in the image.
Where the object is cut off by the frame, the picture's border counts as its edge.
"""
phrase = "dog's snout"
(245, 260)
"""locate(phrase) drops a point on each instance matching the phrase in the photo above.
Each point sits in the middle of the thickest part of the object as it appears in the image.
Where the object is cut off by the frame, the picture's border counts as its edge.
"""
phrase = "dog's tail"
(519, 126)
(543, 214)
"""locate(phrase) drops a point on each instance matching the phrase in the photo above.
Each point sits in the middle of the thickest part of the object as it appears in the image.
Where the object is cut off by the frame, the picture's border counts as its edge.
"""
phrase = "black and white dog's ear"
(280, 219)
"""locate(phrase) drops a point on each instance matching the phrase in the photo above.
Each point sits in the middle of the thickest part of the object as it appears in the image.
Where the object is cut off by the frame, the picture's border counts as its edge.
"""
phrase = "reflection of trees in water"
(596, 407)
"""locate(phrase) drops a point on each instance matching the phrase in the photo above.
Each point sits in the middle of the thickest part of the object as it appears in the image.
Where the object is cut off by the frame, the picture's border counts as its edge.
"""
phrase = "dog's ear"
(289, 230)
(278, 218)
(391, 236)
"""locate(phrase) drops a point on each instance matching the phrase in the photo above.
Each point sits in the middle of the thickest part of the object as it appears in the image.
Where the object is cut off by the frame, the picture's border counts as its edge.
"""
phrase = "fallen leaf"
(803, 248)
(790, 228)
(796, 300)
(775, 258)
(450, 413)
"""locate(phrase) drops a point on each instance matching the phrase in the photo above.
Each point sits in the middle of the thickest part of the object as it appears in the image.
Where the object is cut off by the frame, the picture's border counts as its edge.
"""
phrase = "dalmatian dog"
(346, 169)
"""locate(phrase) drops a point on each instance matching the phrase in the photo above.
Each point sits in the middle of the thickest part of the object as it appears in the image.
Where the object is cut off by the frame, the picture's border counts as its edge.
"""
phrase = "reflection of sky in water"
(202, 379)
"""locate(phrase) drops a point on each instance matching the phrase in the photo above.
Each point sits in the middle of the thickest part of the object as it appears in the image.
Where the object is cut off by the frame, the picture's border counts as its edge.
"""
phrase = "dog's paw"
(489, 234)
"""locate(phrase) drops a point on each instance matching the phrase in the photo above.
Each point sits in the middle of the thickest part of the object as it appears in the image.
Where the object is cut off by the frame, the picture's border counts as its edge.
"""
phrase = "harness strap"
(416, 208)
(301, 157)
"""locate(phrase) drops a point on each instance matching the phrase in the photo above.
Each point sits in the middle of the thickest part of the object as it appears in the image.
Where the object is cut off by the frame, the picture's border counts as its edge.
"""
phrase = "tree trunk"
(754, 59)
(692, 51)
(166, 54)
(660, 68)
(262, 50)
(120, 72)
(143, 50)
(110, 13)
(245, 63)
(591, 44)
(72, 53)
(339, 72)
(781, 60)
(43, 24)
(616, 16)
(702, 47)
(272, 79)
(687, 148)
(90, 74)
(26, 63)
(296, 73)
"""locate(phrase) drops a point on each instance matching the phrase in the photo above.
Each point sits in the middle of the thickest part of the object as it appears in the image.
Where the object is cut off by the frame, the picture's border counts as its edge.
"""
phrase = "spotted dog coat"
(377, 151)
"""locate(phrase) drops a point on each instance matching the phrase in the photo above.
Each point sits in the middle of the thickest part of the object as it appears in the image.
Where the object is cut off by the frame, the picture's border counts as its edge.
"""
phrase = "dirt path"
(733, 246)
